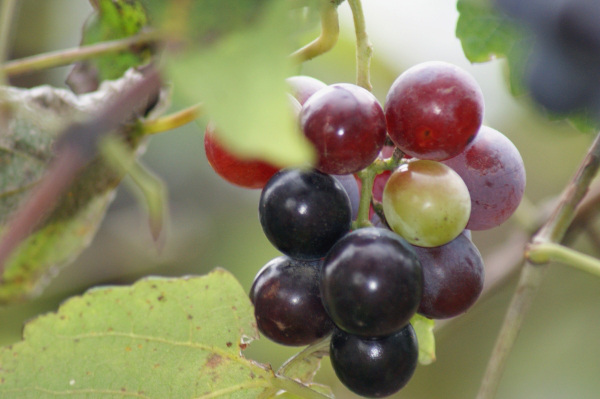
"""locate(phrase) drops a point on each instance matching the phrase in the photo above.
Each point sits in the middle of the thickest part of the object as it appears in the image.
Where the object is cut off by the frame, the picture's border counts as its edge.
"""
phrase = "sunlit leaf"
(159, 338)
(241, 82)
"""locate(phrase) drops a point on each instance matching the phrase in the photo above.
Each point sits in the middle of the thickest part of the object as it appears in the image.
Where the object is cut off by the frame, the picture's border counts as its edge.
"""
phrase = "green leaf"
(424, 330)
(241, 81)
(116, 19)
(487, 34)
(159, 338)
(37, 117)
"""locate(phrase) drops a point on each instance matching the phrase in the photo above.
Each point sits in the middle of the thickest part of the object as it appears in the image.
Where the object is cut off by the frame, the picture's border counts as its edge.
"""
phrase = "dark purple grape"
(351, 186)
(371, 282)
(374, 367)
(302, 87)
(287, 302)
(563, 67)
(494, 173)
(452, 278)
(304, 212)
(347, 127)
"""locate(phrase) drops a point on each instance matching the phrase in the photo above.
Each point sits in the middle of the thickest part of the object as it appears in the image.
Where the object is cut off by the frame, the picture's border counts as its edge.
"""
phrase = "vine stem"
(545, 252)
(296, 388)
(6, 17)
(68, 56)
(330, 31)
(311, 350)
(364, 48)
(552, 232)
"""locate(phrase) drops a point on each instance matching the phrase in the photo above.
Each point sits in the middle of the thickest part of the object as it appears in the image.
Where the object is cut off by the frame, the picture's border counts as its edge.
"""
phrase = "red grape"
(452, 278)
(347, 127)
(493, 171)
(433, 110)
(248, 173)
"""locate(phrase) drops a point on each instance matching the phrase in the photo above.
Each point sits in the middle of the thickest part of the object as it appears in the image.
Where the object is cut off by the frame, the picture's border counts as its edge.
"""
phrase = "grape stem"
(544, 252)
(367, 179)
(330, 31)
(68, 56)
(172, 121)
(364, 48)
(552, 232)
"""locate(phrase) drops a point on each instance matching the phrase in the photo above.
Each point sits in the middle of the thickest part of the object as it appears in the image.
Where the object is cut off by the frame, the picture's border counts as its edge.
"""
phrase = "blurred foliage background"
(214, 224)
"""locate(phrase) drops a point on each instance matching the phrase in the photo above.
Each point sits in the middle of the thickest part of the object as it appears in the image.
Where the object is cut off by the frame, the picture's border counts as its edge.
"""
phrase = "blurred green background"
(214, 224)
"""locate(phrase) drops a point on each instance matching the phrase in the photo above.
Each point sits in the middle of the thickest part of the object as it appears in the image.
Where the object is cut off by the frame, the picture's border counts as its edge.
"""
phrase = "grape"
(347, 127)
(371, 282)
(427, 203)
(287, 302)
(248, 173)
(352, 189)
(563, 67)
(374, 367)
(304, 212)
(433, 110)
(493, 171)
(452, 278)
(302, 87)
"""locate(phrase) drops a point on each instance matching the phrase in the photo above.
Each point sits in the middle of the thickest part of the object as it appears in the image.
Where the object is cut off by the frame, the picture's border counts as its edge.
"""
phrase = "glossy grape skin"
(426, 202)
(346, 125)
(494, 173)
(374, 367)
(247, 173)
(453, 277)
(371, 282)
(287, 302)
(304, 212)
(433, 110)
(302, 87)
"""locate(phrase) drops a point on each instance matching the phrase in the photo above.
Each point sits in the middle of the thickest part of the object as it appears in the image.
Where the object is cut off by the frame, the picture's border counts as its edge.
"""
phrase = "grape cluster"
(563, 69)
(442, 174)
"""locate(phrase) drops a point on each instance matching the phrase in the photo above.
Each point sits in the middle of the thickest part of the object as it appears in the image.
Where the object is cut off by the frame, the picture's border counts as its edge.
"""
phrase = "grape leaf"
(37, 116)
(486, 34)
(241, 81)
(111, 20)
(159, 338)
(424, 330)
(116, 20)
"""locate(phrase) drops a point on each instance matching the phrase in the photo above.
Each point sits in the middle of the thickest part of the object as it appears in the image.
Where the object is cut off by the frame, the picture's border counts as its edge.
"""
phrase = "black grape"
(371, 282)
(287, 302)
(374, 367)
(304, 212)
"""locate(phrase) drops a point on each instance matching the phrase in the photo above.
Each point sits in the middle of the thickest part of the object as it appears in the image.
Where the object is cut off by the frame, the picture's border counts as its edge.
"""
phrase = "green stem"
(69, 56)
(364, 48)
(550, 252)
(6, 17)
(172, 121)
(297, 388)
(316, 349)
(330, 31)
(532, 274)
(367, 179)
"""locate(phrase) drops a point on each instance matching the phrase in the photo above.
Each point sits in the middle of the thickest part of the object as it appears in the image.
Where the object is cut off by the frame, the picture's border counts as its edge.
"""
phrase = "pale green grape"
(427, 203)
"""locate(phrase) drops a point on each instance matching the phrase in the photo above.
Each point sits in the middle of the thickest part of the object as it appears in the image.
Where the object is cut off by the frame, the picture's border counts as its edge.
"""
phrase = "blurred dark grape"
(563, 69)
